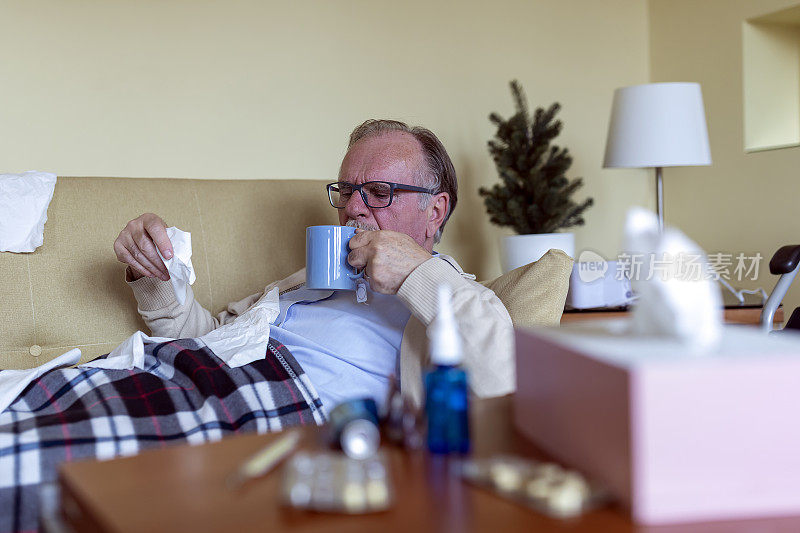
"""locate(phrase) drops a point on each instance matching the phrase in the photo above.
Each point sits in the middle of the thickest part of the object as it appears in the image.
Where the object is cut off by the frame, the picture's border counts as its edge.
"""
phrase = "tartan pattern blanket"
(185, 394)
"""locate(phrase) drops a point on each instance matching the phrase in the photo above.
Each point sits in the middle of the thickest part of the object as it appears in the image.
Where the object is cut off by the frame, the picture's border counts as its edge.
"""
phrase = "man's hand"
(136, 247)
(388, 257)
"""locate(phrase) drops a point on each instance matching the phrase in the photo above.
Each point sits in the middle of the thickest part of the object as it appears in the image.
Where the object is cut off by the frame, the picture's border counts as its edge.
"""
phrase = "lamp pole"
(660, 200)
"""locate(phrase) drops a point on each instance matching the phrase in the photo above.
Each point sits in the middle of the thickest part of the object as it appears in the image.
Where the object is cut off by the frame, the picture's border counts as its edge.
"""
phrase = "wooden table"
(182, 488)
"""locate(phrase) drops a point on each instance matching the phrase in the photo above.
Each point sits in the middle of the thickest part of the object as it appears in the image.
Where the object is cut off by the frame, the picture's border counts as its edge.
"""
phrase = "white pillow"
(23, 209)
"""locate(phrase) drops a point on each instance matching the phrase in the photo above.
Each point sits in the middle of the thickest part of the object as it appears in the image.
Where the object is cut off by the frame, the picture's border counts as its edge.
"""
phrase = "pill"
(538, 488)
(565, 500)
(354, 497)
(300, 494)
(506, 477)
(576, 481)
(377, 493)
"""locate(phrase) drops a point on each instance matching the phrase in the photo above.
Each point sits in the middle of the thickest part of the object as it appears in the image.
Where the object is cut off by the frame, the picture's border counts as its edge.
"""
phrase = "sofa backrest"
(70, 292)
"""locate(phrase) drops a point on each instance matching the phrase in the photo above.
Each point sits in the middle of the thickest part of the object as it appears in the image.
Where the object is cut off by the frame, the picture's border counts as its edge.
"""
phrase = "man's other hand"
(388, 257)
(136, 247)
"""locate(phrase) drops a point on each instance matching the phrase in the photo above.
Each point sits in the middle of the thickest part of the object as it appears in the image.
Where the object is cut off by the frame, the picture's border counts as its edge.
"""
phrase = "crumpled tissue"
(13, 382)
(245, 339)
(677, 295)
(237, 343)
(128, 355)
(24, 199)
(180, 268)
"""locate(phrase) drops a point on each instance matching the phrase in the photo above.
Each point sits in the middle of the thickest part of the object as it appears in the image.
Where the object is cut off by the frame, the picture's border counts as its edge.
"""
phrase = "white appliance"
(599, 283)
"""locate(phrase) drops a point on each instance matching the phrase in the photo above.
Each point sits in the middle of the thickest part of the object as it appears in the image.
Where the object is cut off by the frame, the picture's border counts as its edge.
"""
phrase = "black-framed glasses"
(376, 194)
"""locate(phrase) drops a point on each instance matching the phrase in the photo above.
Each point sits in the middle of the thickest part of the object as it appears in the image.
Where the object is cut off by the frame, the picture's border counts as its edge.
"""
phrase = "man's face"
(390, 156)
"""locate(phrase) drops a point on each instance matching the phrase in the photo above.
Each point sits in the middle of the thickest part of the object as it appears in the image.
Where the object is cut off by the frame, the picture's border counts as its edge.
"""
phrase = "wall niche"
(771, 72)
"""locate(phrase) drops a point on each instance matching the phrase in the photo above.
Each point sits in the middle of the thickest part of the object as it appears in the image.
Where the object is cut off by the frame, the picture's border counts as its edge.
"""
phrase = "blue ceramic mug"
(326, 258)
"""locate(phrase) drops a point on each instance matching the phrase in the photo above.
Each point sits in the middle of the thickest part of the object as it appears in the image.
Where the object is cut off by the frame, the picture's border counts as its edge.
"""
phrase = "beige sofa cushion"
(534, 294)
(70, 292)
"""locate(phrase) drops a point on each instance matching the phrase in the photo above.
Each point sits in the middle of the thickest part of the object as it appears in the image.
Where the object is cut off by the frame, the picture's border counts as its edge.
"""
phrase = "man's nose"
(355, 206)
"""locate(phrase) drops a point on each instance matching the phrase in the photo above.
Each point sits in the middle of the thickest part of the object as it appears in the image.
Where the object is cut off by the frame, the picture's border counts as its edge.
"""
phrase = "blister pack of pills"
(332, 482)
(545, 487)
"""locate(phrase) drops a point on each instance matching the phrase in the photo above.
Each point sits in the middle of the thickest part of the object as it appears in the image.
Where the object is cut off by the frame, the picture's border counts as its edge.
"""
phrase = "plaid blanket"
(185, 394)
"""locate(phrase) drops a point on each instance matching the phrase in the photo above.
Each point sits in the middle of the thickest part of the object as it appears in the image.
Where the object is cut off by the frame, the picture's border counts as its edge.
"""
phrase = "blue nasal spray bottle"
(446, 401)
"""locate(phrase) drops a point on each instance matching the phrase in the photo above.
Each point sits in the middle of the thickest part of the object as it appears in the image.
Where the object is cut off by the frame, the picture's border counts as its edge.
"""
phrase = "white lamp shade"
(657, 125)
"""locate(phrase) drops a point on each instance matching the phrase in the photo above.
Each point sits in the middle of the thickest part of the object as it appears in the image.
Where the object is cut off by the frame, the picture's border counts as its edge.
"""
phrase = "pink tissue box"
(674, 436)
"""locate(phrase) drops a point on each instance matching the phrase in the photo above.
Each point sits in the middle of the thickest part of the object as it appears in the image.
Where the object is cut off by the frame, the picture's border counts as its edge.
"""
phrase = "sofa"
(70, 292)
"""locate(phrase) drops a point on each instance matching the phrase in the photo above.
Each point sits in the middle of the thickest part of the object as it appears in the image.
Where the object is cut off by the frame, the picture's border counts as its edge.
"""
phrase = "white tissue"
(672, 303)
(245, 339)
(13, 382)
(238, 343)
(180, 268)
(128, 355)
(24, 199)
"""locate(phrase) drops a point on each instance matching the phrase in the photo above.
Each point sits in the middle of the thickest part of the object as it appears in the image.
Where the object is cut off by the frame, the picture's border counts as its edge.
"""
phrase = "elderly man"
(398, 186)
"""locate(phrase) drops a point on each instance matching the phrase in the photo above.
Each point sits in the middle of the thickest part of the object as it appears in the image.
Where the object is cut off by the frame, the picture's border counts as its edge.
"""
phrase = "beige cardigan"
(484, 323)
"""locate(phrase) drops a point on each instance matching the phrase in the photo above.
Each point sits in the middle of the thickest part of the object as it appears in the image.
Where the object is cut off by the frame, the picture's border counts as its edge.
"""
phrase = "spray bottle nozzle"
(443, 331)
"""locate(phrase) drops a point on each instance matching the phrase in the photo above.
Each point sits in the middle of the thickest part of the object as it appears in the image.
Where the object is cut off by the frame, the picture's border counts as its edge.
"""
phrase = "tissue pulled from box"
(677, 293)
(24, 199)
(180, 268)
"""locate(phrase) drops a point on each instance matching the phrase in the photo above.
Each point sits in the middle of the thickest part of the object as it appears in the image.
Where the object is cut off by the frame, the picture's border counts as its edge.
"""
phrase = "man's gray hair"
(440, 175)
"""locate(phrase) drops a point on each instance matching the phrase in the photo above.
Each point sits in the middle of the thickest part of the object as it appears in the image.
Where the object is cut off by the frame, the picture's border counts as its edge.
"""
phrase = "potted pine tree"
(535, 195)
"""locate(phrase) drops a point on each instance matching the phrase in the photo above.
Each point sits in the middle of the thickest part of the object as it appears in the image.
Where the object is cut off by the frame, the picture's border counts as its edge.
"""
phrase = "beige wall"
(254, 89)
(744, 202)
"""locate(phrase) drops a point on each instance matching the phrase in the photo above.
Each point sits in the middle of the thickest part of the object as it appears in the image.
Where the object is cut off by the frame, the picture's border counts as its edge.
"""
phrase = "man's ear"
(437, 212)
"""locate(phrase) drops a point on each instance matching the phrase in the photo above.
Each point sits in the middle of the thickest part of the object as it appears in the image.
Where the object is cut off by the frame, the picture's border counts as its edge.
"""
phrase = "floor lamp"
(657, 125)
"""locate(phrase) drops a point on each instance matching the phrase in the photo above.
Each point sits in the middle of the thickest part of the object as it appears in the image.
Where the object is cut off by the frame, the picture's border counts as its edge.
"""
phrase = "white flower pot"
(519, 250)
